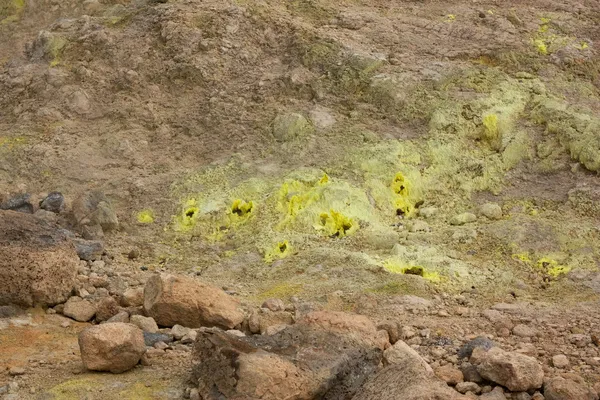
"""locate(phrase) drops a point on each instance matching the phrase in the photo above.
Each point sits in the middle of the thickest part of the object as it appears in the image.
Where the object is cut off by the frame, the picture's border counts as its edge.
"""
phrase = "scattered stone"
(38, 265)
(114, 347)
(122, 316)
(19, 203)
(560, 361)
(559, 388)
(132, 297)
(464, 387)
(79, 309)
(524, 331)
(172, 299)
(54, 202)
(462, 219)
(392, 329)
(190, 337)
(491, 211)
(467, 349)
(402, 353)
(147, 324)
(496, 394)
(106, 308)
(179, 331)
(94, 208)
(515, 371)
(470, 373)
(150, 339)
(88, 250)
(409, 380)
(449, 374)
(274, 305)
(277, 318)
(14, 371)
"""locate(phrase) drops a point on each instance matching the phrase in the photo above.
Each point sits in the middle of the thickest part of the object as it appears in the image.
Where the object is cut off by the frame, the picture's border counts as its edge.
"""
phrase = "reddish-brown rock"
(176, 299)
(38, 262)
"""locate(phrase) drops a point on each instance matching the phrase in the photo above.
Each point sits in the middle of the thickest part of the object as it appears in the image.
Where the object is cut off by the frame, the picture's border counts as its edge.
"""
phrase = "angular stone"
(94, 208)
(150, 339)
(114, 347)
(122, 316)
(449, 374)
(88, 250)
(38, 263)
(132, 297)
(175, 299)
(560, 361)
(147, 324)
(515, 371)
(54, 202)
(406, 381)
(106, 308)
(274, 304)
(467, 349)
(79, 309)
(179, 331)
(299, 362)
(559, 388)
(401, 353)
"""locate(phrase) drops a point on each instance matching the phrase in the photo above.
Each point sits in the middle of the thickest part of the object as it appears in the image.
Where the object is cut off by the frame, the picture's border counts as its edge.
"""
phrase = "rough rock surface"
(38, 263)
(171, 300)
(409, 380)
(114, 347)
(559, 388)
(513, 370)
(79, 309)
(300, 362)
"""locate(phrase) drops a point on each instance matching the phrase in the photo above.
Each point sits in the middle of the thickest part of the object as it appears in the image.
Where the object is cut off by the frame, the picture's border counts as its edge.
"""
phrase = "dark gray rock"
(10, 311)
(18, 203)
(467, 349)
(54, 202)
(88, 250)
(152, 338)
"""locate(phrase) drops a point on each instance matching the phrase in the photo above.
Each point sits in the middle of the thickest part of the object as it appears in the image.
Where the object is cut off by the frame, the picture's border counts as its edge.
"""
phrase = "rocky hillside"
(305, 164)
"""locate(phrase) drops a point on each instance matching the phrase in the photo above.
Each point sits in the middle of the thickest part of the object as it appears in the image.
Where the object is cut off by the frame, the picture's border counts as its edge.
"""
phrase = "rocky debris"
(301, 361)
(150, 339)
(106, 308)
(462, 219)
(79, 309)
(147, 324)
(559, 388)
(114, 347)
(54, 202)
(401, 353)
(449, 374)
(172, 300)
(411, 379)
(465, 387)
(496, 394)
(38, 264)
(560, 361)
(522, 330)
(122, 316)
(269, 319)
(515, 371)
(274, 305)
(94, 209)
(132, 297)
(19, 203)
(345, 323)
(467, 349)
(491, 211)
(179, 332)
(89, 250)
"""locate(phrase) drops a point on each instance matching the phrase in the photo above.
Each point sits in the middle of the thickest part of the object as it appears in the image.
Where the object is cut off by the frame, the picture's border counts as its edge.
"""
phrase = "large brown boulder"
(38, 262)
(114, 347)
(298, 362)
(176, 299)
(411, 379)
(515, 371)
